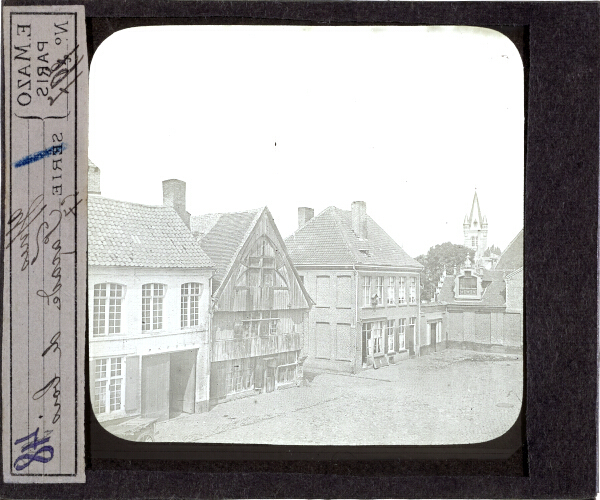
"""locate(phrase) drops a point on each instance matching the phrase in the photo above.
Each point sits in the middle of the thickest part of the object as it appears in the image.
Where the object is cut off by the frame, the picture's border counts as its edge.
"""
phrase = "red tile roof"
(121, 233)
(328, 239)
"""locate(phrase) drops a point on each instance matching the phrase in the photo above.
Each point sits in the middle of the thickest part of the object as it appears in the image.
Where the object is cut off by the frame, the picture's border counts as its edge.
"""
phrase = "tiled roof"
(328, 239)
(512, 257)
(223, 235)
(121, 233)
(494, 293)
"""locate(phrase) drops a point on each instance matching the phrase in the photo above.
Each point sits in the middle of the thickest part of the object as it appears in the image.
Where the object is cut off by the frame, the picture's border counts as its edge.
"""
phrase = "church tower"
(475, 229)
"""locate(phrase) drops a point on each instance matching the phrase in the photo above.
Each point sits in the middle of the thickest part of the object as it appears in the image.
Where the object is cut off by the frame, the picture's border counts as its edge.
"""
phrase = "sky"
(410, 120)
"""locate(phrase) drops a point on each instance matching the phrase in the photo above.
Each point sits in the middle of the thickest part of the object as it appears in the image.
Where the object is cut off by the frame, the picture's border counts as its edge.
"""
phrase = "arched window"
(190, 304)
(108, 299)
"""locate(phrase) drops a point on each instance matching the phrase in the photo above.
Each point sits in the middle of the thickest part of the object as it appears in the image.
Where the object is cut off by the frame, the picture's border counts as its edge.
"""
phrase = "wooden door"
(218, 381)
(155, 386)
(183, 382)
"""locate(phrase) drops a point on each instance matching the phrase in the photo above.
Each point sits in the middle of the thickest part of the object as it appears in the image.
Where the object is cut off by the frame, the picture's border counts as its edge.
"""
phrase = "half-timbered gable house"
(259, 305)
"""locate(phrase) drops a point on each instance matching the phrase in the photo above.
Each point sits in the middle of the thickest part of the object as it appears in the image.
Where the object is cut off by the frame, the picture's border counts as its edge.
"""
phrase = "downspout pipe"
(358, 331)
(419, 312)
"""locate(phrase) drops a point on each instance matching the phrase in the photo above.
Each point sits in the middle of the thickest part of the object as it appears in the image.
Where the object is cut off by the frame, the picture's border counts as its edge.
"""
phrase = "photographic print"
(306, 235)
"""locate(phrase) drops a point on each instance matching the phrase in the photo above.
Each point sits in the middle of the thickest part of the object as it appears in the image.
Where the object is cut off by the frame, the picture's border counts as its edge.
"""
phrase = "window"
(107, 309)
(108, 385)
(391, 294)
(152, 306)
(467, 285)
(260, 323)
(401, 333)
(413, 290)
(366, 329)
(190, 304)
(474, 241)
(391, 326)
(402, 290)
(377, 337)
(367, 290)
(379, 290)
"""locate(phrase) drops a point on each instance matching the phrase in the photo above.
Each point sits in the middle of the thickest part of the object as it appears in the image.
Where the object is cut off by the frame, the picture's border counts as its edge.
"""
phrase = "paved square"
(450, 397)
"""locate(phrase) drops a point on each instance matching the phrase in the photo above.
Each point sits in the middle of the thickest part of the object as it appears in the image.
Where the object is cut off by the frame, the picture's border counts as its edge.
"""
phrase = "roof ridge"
(129, 202)
(230, 213)
(308, 222)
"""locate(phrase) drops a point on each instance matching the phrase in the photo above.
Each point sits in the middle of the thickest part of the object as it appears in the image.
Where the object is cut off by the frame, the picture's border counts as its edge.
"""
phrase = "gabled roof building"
(477, 308)
(259, 304)
(365, 288)
(149, 293)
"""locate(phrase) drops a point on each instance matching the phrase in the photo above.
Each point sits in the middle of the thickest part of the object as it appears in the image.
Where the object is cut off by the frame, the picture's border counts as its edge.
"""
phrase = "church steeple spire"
(475, 228)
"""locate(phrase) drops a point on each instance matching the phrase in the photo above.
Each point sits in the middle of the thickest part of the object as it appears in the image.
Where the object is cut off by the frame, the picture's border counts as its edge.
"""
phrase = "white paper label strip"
(44, 243)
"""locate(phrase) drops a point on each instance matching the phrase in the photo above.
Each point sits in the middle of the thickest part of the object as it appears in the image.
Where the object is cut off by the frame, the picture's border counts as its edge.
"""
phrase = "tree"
(492, 250)
(447, 254)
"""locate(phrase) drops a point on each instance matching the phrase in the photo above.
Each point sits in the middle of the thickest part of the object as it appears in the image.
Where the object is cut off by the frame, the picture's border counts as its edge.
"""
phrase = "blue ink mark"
(43, 455)
(51, 151)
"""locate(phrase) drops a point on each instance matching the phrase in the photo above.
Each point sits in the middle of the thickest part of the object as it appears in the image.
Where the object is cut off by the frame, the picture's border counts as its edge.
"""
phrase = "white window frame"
(379, 290)
(377, 337)
(366, 291)
(190, 304)
(401, 334)
(391, 330)
(413, 290)
(108, 307)
(110, 390)
(153, 306)
(402, 290)
(391, 295)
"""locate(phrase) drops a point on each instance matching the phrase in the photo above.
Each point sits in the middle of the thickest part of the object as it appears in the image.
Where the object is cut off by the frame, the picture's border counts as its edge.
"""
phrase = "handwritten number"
(37, 457)
(25, 459)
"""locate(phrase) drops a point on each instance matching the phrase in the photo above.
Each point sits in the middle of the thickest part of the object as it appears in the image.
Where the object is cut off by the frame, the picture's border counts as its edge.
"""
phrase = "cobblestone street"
(450, 397)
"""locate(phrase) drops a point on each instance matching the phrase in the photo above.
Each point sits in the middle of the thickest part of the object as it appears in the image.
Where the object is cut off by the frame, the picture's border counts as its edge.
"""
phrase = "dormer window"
(468, 285)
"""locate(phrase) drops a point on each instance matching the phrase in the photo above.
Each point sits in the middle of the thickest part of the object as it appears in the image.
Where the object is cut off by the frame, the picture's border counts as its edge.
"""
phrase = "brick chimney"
(93, 179)
(304, 215)
(359, 219)
(174, 196)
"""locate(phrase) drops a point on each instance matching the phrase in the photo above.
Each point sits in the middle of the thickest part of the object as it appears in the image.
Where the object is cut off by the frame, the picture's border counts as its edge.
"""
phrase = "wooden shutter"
(132, 384)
